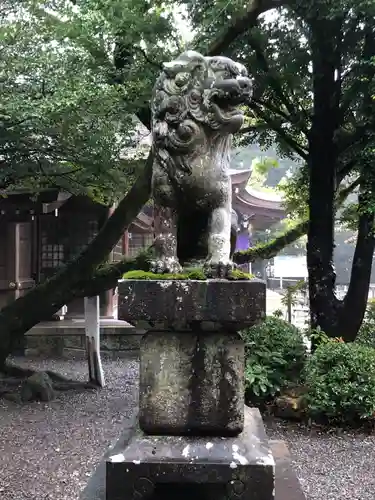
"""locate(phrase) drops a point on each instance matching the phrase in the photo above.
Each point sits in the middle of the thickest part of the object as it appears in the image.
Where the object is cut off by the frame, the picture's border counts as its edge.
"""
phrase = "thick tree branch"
(241, 24)
(360, 277)
(346, 191)
(277, 127)
(106, 276)
(274, 109)
(266, 251)
(274, 82)
(345, 169)
(359, 137)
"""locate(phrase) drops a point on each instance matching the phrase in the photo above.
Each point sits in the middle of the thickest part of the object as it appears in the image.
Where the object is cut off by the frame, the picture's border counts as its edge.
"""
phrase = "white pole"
(92, 331)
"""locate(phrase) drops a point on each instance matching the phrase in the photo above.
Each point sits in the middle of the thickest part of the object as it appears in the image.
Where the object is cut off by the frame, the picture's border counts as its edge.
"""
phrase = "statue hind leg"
(165, 227)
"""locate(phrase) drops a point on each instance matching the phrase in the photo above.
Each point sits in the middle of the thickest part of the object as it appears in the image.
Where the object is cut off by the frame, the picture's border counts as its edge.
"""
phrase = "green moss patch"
(188, 274)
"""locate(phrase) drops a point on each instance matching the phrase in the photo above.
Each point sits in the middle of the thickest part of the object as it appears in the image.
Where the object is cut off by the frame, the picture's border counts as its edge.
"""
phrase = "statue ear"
(188, 62)
(173, 67)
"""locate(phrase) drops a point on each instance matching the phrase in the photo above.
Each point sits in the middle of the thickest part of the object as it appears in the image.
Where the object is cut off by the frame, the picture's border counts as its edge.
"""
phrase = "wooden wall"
(16, 273)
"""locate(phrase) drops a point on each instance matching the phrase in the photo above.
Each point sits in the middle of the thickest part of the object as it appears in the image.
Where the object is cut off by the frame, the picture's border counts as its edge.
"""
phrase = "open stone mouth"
(229, 103)
(229, 99)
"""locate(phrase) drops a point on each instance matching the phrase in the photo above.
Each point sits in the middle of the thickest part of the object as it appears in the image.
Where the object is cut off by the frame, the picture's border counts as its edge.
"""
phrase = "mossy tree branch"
(266, 251)
(106, 276)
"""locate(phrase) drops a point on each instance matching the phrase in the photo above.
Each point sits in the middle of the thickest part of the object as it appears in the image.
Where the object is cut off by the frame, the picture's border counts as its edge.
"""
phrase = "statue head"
(196, 98)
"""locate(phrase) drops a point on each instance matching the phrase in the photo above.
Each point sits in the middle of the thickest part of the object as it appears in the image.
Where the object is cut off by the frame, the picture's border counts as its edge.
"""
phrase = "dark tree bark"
(353, 307)
(322, 170)
(241, 24)
(336, 318)
(354, 304)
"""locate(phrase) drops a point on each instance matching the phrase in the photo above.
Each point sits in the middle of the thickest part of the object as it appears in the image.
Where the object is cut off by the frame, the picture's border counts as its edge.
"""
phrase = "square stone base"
(203, 468)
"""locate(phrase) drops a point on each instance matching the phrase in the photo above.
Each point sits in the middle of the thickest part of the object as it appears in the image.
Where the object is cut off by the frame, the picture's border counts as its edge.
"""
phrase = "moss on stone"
(266, 251)
(188, 274)
(237, 274)
(196, 274)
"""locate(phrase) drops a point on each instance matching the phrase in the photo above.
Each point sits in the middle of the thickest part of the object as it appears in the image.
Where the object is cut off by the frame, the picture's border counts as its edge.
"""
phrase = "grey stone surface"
(208, 305)
(96, 486)
(213, 468)
(191, 383)
(287, 485)
(37, 387)
(195, 109)
(72, 344)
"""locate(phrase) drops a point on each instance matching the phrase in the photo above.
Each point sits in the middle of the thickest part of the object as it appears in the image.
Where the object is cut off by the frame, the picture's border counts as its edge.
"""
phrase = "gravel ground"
(330, 466)
(48, 451)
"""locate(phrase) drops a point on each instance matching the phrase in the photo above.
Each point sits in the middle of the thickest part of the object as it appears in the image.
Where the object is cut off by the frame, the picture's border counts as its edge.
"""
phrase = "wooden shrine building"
(37, 236)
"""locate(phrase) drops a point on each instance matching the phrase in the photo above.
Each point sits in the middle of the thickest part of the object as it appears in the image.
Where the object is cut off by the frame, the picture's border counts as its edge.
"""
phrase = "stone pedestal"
(194, 438)
(186, 467)
(191, 383)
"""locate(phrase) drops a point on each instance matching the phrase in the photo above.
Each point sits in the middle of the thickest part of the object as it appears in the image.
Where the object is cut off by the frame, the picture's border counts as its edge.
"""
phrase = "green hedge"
(366, 334)
(340, 381)
(275, 356)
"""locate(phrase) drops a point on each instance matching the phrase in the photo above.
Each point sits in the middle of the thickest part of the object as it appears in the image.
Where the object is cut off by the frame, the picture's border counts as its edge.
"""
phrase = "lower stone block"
(186, 467)
(191, 383)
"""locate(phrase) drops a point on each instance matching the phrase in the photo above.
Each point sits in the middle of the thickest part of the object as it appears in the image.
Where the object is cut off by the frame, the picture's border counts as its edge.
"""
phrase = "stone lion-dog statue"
(195, 111)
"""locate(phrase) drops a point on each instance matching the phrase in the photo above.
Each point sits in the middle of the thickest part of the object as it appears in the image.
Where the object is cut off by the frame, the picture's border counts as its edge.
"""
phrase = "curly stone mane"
(184, 108)
(195, 111)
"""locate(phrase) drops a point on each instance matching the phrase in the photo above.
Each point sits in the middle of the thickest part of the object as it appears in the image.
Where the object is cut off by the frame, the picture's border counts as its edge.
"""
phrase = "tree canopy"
(83, 69)
(69, 92)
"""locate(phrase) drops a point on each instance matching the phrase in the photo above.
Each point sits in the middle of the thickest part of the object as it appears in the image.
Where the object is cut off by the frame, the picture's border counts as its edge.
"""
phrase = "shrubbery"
(337, 381)
(275, 357)
(340, 381)
(366, 334)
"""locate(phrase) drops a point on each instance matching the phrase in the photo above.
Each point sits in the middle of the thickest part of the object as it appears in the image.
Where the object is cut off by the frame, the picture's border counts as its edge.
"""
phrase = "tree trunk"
(44, 300)
(354, 304)
(322, 170)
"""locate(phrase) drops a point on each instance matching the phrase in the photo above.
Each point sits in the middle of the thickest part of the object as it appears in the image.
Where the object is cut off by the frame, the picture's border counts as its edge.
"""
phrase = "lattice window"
(63, 238)
(52, 254)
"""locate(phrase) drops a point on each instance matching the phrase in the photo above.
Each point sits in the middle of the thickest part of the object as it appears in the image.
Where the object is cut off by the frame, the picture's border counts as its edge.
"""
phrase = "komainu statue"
(195, 111)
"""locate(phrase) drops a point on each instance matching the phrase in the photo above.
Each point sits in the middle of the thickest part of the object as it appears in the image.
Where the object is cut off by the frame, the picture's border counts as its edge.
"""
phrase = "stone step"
(287, 485)
(69, 340)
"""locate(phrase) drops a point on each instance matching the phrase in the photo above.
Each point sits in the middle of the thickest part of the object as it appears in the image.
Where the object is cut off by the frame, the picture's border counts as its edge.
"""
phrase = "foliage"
(341, 382)
(313, 99)
(187, 274)
(318, 337)
(366, 334)
(69, 93)
(260, 168)
(278, 313)
(290, 296)
(275, 355)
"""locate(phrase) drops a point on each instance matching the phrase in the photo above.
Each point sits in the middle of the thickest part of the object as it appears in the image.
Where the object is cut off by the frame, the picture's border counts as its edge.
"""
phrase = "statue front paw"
(218, 268)
(166, 265)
